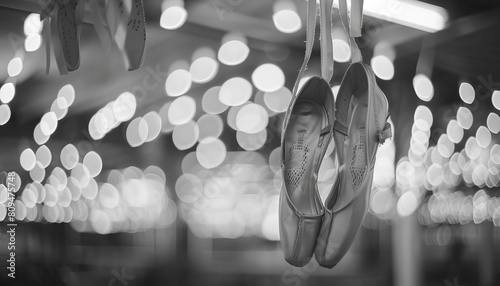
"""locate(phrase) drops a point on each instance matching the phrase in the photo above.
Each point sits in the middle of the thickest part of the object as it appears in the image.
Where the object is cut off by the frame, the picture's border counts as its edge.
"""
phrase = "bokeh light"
(454, 131)
(5, 114)
(211, 152)
(153, 120)
(109, 196)
(233, 50)
(15, 67)
(467, 92)
(382, 67)
(285, 17)
(32, 24)
(445, 146)
(278, 101)
(89, 191)
(100, 221)
(28, 159)
(435, 174)
(178, 82)
(235, 91)
(37, 174)
(407, 204)
(251, 142)
(33, 42)
(210, 102)
(252, 118)
(137, 132)
(174, 14)
(81, 175)
(188, 188)
(93, 162)
(472, 148)
(232, 113)
(69, 156)
(423, 87)
(124, 106)
(44, 156)
(465, 117)
(48, 123)
(493, 123)
(342, 51)
(7, 92)
(268, 78)
(483, 136)
(204, 66)
(38, 135)
(259, 99)
(495, 99)
(210, 125)
(185, 136)
(423, 117)
(182, 110)
(166, 125)
(68, 93)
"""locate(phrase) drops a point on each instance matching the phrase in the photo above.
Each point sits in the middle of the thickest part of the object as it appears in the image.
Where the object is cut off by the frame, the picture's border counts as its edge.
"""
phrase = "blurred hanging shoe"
(61, 30)
(128, 27)
(360, 125)
(305, 138)
(67, 26)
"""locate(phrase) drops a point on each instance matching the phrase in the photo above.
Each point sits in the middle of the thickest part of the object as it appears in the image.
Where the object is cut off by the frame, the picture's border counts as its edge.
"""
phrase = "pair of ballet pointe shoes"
(357, 122)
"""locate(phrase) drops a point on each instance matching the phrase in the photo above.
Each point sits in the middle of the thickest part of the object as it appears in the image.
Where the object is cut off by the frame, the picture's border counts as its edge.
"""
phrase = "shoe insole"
(302, 154)
(354, 165)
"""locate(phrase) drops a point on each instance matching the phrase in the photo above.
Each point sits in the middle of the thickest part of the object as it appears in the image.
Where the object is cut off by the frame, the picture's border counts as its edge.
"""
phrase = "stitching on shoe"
(298, 158)
(358, 165)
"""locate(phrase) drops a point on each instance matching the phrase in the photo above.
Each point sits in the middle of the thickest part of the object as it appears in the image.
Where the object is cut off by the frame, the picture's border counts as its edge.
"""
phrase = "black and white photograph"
(249, 143)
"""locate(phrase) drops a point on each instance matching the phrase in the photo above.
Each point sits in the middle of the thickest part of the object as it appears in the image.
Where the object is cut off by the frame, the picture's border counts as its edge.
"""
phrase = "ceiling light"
(411, 13)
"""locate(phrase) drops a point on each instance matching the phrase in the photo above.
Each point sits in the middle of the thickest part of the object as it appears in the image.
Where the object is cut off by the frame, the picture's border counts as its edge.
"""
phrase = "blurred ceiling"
(468, 48)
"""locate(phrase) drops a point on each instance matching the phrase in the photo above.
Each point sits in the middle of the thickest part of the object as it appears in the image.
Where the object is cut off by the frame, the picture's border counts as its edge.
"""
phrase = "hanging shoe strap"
(98, 9)
(352, 26)
(310, 31)
(326, 39)
(49, 16)
(326, 43)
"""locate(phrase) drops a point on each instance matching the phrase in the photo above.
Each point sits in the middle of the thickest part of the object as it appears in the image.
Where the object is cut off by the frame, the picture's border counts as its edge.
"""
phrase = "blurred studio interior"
(169, 174)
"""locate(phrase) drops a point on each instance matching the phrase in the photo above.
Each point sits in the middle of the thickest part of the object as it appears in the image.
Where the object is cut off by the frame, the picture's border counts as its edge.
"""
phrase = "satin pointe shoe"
(128, 26)
(360, 126)
(68, 33)
(305, 138)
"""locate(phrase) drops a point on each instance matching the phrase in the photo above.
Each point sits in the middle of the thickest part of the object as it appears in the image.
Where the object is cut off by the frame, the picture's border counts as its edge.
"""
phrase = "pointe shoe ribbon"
(128, 27)
(98, 10)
